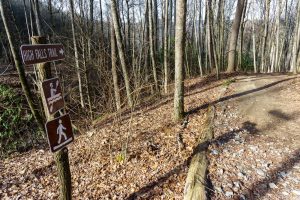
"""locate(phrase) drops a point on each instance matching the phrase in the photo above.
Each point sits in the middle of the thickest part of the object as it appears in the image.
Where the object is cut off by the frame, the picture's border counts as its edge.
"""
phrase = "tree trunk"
(20, 68)
(166, 47)
(241, 32)
(179, 59)
(152, 43)
(76, 53)
(254, 47)
(37, 17)
(121, 51)
(234, 35)
(296, 46)
(277, 61)
(265, 37)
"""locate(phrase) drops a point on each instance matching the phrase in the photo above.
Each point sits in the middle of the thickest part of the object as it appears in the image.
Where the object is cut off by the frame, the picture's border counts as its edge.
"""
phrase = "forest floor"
(139, 155)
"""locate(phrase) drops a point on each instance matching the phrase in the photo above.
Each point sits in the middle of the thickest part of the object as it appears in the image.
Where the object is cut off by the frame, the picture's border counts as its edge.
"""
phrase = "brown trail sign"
(40, 53)
(53, 95)
(59, 132)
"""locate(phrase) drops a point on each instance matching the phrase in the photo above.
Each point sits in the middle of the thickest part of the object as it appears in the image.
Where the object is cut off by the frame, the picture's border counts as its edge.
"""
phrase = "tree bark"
(265, 37)
(179, 59)
(76, 53)
(37, 17)
(234, 35)
(296, 45)
(166, 70)
(114, 66)
(277, 61)
(152, 44)
(121, 51)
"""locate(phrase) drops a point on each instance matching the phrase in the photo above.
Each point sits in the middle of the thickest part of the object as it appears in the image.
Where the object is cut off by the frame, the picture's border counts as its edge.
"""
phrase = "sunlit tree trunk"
(234, 35)
(152, 41)
(265, 36)
(296, 45)
(121, 51)
(179, 59)
(166, 28)
(114, 66)
(76, 53)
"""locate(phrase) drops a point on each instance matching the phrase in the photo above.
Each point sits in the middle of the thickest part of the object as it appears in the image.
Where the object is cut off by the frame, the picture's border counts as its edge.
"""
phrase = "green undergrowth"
(227, 82)
(16, 122)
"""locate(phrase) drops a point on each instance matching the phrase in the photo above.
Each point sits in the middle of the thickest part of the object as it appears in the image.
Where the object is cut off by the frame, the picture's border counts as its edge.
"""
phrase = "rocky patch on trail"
(248, 164)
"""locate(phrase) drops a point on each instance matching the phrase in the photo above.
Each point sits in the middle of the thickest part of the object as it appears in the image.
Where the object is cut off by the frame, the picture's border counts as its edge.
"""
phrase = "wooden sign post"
(42, 54)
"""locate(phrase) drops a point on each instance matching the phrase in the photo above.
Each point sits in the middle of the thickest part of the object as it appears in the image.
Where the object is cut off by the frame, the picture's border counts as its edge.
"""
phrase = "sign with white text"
(40, 53)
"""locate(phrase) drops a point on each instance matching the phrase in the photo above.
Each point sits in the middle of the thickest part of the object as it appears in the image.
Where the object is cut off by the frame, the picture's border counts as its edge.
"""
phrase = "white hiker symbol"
(60, 131)
(61, 51)
(52, 93)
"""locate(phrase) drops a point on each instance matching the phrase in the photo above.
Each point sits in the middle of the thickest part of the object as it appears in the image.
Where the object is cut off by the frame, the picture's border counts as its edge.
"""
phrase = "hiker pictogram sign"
(59, 132)
(39, 53)
(53, 95)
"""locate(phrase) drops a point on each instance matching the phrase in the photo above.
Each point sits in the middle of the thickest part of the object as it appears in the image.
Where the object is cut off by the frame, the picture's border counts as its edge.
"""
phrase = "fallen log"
(195, 186)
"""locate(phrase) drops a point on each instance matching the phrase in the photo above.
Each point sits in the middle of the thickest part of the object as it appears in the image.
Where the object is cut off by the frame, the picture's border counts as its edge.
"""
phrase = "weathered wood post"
(61, 157)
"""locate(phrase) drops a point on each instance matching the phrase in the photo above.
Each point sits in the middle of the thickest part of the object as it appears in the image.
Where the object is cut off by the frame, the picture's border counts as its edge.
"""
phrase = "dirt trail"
(256, 153)
(275, 110)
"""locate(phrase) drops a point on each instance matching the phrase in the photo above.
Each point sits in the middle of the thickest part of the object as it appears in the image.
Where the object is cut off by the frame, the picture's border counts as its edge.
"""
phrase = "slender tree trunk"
(85, 68)
(296, 45)
(265, 37)
(121, 51)
(166, 70)
(37, 17)
(114, 66)
(76, 53)
(254, 47)
(234, 35)
(26, 20)
(128, 35)
(179, 59)
(242, 28)
(152, 47)
(277, 61)
(51, 14)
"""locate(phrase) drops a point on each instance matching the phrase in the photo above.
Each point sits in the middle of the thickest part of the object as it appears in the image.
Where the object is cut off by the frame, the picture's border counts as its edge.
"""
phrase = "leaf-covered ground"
(133, 156)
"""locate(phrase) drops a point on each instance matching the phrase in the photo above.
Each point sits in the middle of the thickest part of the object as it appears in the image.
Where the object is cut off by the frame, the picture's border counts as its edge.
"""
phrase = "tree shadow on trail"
(221, 140)
(195, 110)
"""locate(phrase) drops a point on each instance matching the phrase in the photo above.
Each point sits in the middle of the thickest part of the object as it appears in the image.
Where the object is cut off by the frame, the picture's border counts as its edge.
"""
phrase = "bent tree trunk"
(179, 61)
(234, 35)
(20, 69)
